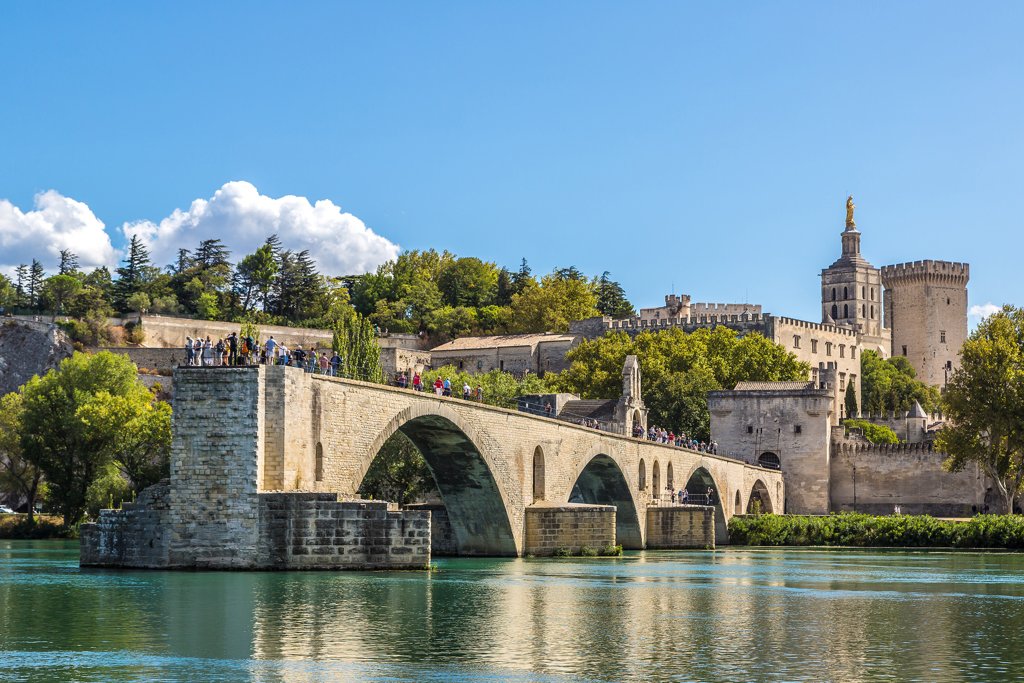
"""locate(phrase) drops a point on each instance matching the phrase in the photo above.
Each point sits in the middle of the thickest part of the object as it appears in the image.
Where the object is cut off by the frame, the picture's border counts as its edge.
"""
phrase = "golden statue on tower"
(850, 206)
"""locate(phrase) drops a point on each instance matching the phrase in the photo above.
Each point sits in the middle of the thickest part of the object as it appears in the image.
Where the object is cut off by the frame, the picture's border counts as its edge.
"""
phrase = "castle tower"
(851, 291)
(926, 309)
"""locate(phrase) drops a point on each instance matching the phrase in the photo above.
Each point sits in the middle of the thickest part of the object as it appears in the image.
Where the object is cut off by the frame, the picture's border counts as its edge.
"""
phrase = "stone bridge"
(261, 455)
(491, 465)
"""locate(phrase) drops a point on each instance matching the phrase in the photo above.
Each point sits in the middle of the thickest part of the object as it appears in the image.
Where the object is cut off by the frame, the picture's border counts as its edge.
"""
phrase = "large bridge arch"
(760, 499)
(476, 500)
(602, 482)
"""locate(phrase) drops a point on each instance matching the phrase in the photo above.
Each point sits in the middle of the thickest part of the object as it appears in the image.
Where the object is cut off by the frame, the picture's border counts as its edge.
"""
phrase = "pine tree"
(133, 274)
(20, 282)
(68, 262)
(36, 275)
(611, 298)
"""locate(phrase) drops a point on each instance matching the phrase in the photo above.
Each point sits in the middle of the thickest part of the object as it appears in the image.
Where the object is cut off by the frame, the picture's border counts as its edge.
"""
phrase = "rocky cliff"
(29, 348)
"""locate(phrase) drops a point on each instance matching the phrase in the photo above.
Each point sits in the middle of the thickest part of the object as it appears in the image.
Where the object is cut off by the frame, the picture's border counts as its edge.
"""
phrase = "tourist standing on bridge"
(299, 356)
(335, 364)
(479, 393)
(271, 347)
(208, 351)
(447, 387)
(190, 353)
(466, 391)
(233, 348)
(438, 386)
(417, 382)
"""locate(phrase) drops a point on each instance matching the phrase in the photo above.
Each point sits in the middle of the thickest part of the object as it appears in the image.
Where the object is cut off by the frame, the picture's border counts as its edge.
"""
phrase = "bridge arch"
(602, 482)
(477, 501)
(642, 476)
(697, 484)
(759, 494)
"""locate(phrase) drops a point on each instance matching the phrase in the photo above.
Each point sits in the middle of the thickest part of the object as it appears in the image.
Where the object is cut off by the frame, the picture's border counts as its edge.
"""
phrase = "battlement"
(702, 308)
(948, 271)
(685, 323)
(821, 327)
(865, 448)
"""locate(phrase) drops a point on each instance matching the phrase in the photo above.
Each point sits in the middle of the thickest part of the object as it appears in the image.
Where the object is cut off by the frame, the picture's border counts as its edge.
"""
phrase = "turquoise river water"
(728, 615)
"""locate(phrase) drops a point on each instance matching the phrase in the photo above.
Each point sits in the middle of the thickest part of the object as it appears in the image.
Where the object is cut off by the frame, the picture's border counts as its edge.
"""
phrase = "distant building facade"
(515, 353)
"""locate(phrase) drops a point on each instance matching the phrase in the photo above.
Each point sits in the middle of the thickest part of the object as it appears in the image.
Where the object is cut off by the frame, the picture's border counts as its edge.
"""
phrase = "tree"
(558, 300)
(984, 401)
(850, 401)
(8, 294)
(132, 276)
(355, 341)
(16, 472)
(469, 282)
(68, 262)
(398, 473)
(135, 429)
(890, 385)
(21, 282)
(57, 436)
(139, 301)
(611, 298)
(36, 275)
(678, 370)
(254, 276)
(59, 290)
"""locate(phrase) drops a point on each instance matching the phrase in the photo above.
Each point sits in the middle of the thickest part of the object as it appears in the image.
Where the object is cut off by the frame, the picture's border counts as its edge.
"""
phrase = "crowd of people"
(237, 350)
(681, 440)
(440, 387)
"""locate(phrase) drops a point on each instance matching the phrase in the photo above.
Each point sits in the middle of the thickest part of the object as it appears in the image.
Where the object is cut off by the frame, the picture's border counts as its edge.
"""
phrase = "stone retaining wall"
(571, 525)
(316, 531)
(680, 526)
(137, 535)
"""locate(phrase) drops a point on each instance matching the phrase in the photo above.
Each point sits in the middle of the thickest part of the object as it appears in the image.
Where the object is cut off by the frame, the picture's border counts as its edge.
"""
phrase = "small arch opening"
(769, 461)
(642, 478)
(538, 474)
(656, 481)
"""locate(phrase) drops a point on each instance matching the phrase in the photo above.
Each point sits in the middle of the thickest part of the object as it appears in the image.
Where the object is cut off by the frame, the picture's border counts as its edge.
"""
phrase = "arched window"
(863, 310)
(846, 310)
(655, 481)
(833, 294)
(739, 504)
(863, 292)
(669, 486)
(319, 475)
(538, 474)
(769, 461)
(835, 312)
(642, 479)
(872, 312)
(846, 294)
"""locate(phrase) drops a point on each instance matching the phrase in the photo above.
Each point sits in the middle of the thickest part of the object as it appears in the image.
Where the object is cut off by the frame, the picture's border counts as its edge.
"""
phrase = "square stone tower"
(926, 309)
(851, 289)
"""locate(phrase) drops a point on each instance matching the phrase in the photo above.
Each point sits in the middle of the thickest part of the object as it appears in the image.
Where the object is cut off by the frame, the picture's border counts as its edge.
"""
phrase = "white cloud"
(982, 311)
(243, 218)
(56, 222)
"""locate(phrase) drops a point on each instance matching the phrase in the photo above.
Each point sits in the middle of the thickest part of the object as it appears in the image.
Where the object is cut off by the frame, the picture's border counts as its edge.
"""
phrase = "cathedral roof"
(917, 410)
(773, 386)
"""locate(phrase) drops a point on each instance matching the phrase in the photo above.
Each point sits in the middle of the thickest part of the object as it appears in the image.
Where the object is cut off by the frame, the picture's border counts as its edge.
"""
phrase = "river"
(726, 615)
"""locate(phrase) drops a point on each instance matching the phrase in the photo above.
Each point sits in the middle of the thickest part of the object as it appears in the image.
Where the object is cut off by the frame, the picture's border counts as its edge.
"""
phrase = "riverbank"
(869, 531)
(16, 526)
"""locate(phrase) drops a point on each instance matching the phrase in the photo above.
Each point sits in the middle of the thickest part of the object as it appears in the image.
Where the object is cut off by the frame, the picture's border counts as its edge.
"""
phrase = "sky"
(702, 149)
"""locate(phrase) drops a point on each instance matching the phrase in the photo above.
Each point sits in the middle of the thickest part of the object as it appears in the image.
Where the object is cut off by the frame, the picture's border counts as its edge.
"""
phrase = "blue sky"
(709, 148)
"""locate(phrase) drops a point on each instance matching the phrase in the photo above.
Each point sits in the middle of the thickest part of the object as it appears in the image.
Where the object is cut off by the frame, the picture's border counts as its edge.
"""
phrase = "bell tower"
(851, 288)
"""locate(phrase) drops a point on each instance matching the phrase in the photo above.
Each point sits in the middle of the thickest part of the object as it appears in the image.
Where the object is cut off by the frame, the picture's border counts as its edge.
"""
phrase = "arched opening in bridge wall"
(656, 482)
(538, 474)
(669, 483)
(636, 425)
(476, 508)
(642, 476)
(760, 500)
(739, 504)
(697, 489)
(602, 483)
(769, 460)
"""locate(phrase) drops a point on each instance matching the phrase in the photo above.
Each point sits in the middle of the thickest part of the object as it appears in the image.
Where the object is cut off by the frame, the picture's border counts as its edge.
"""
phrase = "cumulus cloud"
(56, 222)
(981, 311)
(243, 218)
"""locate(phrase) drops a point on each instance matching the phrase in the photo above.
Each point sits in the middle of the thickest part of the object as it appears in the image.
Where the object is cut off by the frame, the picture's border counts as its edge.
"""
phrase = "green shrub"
(587, 551)
(563, 552)
(872, 432)
(860, 530)
(610, 551)
(45, 526)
